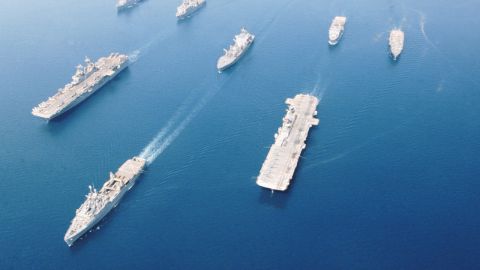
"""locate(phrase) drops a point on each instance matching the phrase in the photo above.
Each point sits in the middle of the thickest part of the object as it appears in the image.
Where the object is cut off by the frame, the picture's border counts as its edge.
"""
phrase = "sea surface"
(390, 178)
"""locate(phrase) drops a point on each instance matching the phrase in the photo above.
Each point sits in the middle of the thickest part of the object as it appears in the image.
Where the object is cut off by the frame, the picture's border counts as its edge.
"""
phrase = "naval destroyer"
(282, 159)
(86, 80)
(240, 45)
(396, 42)
(98, 203)
(124, 4)
(188, 7)
(336, 29)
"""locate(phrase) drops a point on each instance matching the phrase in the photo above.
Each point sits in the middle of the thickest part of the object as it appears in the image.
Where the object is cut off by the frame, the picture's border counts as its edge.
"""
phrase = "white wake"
(174, 127)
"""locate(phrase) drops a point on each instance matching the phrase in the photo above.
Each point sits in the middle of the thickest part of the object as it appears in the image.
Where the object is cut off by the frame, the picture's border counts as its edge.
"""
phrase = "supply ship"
(240, 45)
(100, 203)
(282, 159)
(396, 42)
(86, 80)
(336, 29)
(188, 7)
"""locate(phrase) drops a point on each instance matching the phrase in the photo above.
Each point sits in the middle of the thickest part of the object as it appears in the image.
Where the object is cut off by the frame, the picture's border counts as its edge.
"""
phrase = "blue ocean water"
(389, 180)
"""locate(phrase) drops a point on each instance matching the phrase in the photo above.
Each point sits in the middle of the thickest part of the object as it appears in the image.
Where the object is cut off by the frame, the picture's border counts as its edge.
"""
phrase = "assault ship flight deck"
(282, 159)
(85, 82)
(99, 203)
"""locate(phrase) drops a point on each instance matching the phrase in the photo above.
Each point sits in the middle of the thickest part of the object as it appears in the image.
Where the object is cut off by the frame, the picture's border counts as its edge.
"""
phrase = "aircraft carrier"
(240, 45)
(282, 159)
(396, 42)
(188, 7)
(336, 29)
(86, 80)
(99, 203)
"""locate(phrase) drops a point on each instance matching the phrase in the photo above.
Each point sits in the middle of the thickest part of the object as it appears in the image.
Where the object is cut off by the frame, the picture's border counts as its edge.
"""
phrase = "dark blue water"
(390, 178)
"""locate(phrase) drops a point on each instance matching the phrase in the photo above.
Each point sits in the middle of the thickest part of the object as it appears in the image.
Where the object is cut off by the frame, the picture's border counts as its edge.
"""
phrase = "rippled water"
(389, 179)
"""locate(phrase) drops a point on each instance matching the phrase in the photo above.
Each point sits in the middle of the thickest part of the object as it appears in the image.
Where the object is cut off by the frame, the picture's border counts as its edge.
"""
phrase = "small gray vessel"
(241, 44)
(395, 41)
(188, 7)
(336, 29)
(124, 4)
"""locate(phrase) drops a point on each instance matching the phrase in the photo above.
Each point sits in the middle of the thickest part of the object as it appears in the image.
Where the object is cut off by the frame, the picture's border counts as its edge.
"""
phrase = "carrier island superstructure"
(188, 7)
(396, 42)
(86, 80)
(240, 45)
(336, 29)
(98, 203)
(282, 159)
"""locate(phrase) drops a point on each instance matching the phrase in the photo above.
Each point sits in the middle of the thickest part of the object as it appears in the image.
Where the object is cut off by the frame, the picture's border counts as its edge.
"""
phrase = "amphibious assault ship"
(188, 7)
(396, 42)
(99, 203)
(124, 4)
(336, 29)
(241, 43)
(282, 159)
(86, 80)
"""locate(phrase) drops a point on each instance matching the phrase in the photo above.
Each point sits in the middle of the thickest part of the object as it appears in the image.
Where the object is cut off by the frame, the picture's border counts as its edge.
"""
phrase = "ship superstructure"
(187, 7)
(395, 41)
(336, 29)
(98, 203)
(282, 159)
(240, 45)
(124, 4)
(86, 80)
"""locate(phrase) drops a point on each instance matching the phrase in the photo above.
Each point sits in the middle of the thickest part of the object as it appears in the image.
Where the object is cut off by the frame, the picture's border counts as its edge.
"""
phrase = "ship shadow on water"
(336, 47)
(94, 232)
(100, 96)
(277, 199)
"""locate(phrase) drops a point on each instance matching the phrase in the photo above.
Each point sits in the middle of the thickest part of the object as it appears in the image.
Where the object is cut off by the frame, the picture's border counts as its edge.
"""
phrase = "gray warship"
(86, 80)
(336, 29)
(99, 203)
(124, 4)
(241, 44)
(282, 159)
(395, 41)
(188, 7)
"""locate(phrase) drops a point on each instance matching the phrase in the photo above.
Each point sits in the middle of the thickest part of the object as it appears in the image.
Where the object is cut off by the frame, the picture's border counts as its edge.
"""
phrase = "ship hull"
(395, 55)
(235, 60)
(334, 42)
(81, 98)
(108, 207)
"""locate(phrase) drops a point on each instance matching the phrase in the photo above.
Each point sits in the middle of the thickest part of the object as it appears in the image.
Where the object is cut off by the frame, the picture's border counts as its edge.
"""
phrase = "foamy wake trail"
(422, 29)
(318, 91)
(136, 54)
(164, 131)
(133, 56)
(170, 132)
